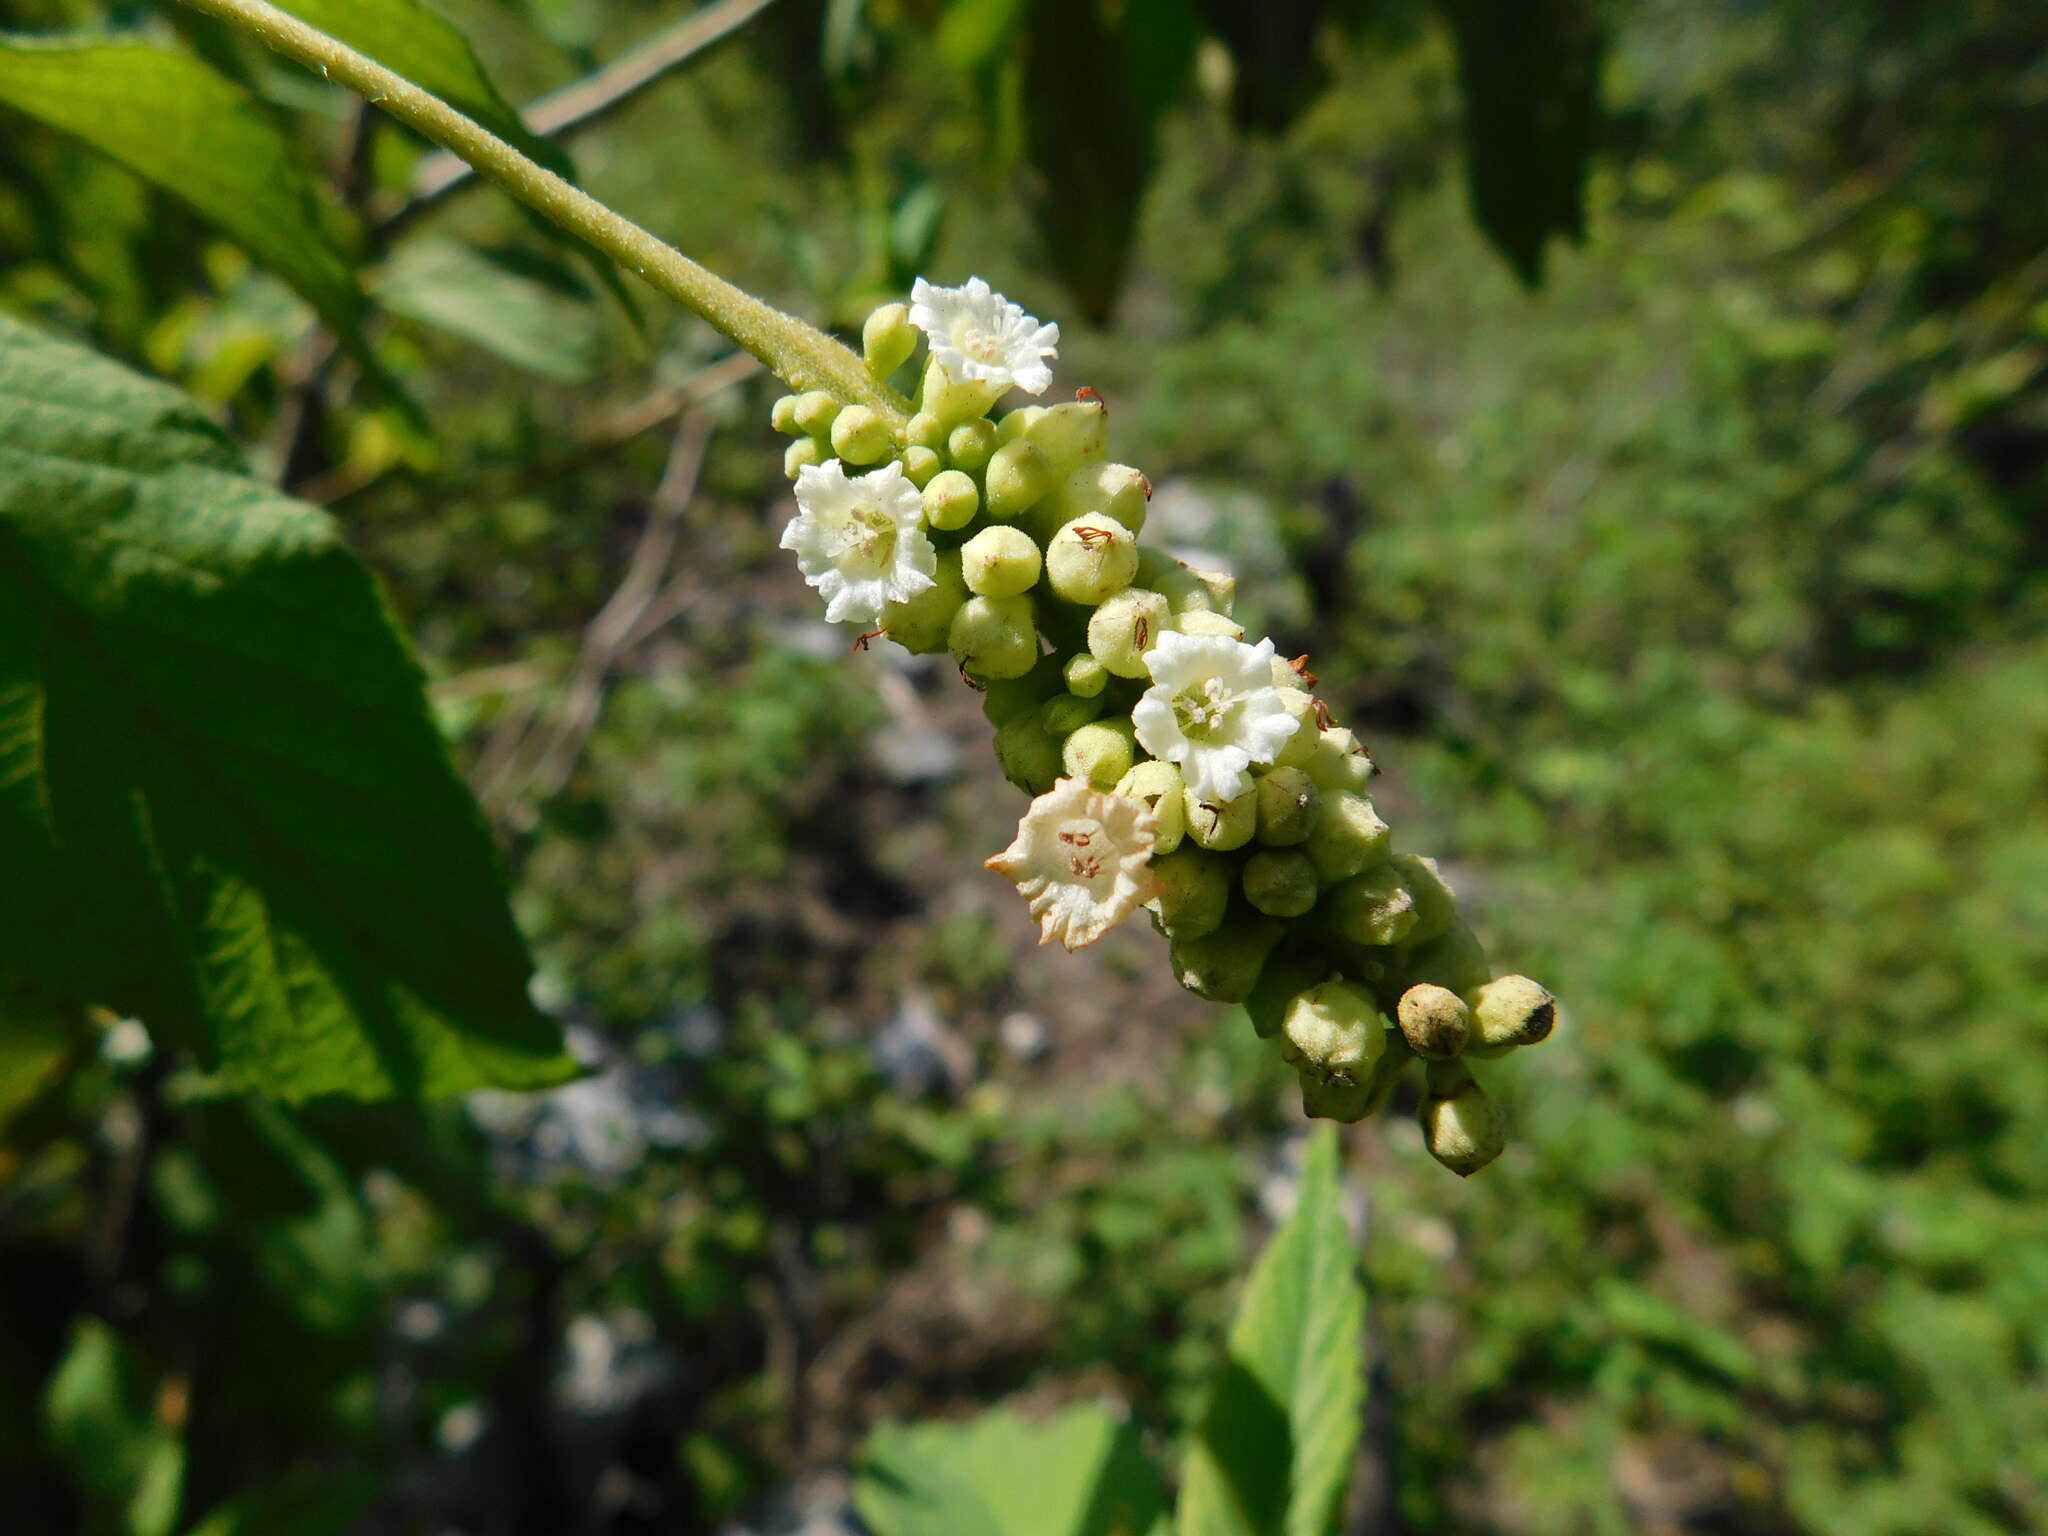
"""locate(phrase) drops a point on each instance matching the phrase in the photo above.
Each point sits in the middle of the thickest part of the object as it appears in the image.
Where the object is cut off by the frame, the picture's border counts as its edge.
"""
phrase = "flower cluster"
(1175, 765)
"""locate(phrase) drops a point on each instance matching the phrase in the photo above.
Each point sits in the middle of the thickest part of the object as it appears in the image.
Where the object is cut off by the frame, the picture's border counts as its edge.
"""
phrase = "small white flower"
(858, 540)
(1213, 710)
(1081, 858)
(976, 333)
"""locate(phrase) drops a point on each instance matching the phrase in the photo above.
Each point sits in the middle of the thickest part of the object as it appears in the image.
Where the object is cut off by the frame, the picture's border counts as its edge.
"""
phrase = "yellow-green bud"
(954, 403)
(1194, 892)
(1016, 423)
(1159, 786)
(1223, 965)
(1288, 805)
(1436, 907)
(1373, 908)
(1199, 621)
(814, 411)
(800, 455)
(1347, 1103)
(970, 444)
(1434, 1020)
(1186, 588)
(1292, 968)
(1085, 675)
(950, 500)
(1065, 713)
(1126, 626)
(1333, 1029)
(925, 431)
(782, 415)
(1090, 559)
(1029, 758)
(1301, 746)
(1000, 562)
(860, 435)
(1280, 882)
(887, 339)
(1338, 762)
(1510, 1011)
(1348, 836)
(921, 465)
(1072, 434)
(1098, 490)
(1101, 752)
(922, 624)
(1223, 824)
(1460, 1125)
(994, 637)
(1018, 475)
(1006, 698)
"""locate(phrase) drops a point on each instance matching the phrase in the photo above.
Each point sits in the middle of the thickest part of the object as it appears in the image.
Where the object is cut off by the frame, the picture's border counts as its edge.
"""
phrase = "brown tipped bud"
(1460, 1125)
(1510, 1011)
(1434, 1020)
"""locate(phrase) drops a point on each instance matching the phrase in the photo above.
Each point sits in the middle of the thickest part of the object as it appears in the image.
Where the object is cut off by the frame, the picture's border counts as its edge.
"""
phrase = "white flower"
(1081, 858)
(859, 540)
(1213, 710)
(976, 333)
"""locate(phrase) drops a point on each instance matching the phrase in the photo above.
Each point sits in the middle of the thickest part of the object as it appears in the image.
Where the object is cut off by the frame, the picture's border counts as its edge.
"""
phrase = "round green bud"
(1101, 752)
(1000, 562)
(801, 454)
(1018, 475)
(950, 500)
(925, 430)
(1374, 908)
(1510, 1011)
(994, 637)
(1197, 621)
(887, 339)
(860, 435)
(1333, 1029)
(1097, 490)
(1436, 908)
(782, 415)
(1194, 891)
(1223, 965)
(1016, 423)
(923, 624)
(953, 403)
(1301, 746)
(1347, 836)
(1159, 786)
(815, 410)
(1288, 804)
(1029, 758)
(1072, 434)
(1090, 559)
(1460, 1125)
(1188, 589)
(970, 444)
(1125, 627)
(1004, 699)
(1280, 882)
(922, 465)
(1065, 713)
(1339, 762)
(1222, 825)
(1085, 675)
(1293, 967)
(1434, 1020)
(1347, 1103)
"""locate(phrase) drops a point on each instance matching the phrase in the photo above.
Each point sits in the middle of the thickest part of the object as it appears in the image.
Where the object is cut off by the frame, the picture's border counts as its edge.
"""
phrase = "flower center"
(1086, 847)
(982, 346)
(871, 535)
(1204, 709)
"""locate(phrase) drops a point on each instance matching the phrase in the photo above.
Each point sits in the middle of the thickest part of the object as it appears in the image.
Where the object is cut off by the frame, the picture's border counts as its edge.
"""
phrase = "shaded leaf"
(36, 1042)
(1272, 49)
(1274, 1448)
(507, 303)
(217, 765)
(312, 1505)
(104, 1424)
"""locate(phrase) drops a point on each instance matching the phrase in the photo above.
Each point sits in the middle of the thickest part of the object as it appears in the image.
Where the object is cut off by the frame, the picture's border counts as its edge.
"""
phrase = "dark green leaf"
(1273, 50)
(36, 1040)
(312, 1505)
(1274, 1448)
(218, 772)
(505, 303)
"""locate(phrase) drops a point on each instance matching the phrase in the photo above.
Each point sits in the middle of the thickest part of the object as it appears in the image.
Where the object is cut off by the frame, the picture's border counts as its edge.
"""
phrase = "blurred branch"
(562, 112)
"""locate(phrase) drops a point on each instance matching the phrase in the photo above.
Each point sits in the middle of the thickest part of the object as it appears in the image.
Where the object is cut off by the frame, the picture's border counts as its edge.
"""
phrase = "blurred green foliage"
(1695, 600)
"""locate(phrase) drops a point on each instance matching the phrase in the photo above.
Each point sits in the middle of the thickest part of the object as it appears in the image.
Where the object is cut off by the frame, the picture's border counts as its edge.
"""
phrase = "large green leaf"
(1080, 1473)
(515, 306)
(176, 122)
(223, 803)
(1274, 1449)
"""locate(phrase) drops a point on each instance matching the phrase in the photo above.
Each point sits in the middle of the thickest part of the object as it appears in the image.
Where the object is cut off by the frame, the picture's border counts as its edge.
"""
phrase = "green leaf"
(1530, 74)
(177, 123)
(1080, 1473)
(310, 1505)
(36, 1042)
(103, 1425)
(1274, 1449)
(218, 771)
(509, 304)
(1273, 53)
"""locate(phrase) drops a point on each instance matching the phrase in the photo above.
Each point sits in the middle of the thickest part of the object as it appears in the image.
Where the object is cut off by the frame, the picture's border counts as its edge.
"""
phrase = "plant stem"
(802, 355)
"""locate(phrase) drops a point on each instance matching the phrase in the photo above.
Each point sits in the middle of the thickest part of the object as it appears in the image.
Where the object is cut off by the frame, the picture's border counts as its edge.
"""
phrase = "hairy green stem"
(802, 355)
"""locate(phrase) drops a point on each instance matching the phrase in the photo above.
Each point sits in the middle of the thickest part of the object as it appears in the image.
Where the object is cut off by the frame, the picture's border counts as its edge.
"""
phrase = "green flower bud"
(1452, 959)
(922, 465)
(970, 444)
(1434, 1020)
(1099, 490)
(950, 500)
(1090, 559)
(922, 624)
(1510, 1011)
(1436, 907)
(1072, 434)
(1223, 825)
(1292, 968)
(1065, 713)
(1288, 805)
(1348, 835)
(1198, 621)
(954, 403)
(860, 435)
(1280, 882)
(1188, 589)
(782, 415)
(1101, 752)
(925, 430)
(1006, 698)
(887, 339)
(814, 411)
(1016, 423)
(1086, 676)
(1000, 562)
(1126, 626)
(1301, 746)
(1223, 965)
(1333, 1029)
(1374, 908)
(1018, 475)
(1338, 762)
(1194, 892)
(994, 637)
(1352, 1102)
(800, 454)
(1460, 1126)
(1029, 758)
(1159, 786)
